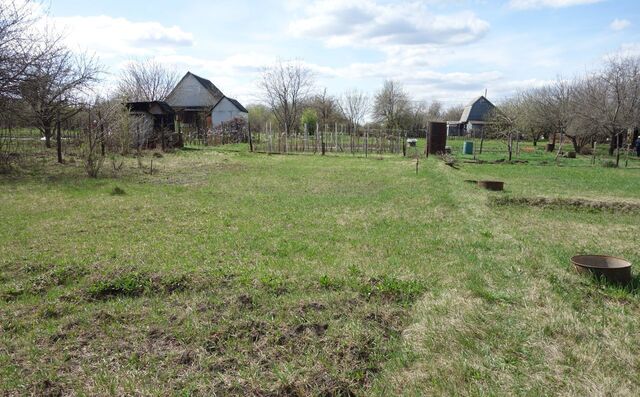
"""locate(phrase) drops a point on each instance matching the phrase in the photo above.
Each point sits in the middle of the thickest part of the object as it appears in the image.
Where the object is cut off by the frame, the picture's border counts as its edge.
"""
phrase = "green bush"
(310, 119)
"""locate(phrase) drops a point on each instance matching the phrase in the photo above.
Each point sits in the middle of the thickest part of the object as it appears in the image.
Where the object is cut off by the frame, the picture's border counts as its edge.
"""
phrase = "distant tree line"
(292, 102)
(599, 106)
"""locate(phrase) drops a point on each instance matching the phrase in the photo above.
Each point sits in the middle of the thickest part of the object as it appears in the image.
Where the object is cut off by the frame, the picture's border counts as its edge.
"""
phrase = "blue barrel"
(467, 147)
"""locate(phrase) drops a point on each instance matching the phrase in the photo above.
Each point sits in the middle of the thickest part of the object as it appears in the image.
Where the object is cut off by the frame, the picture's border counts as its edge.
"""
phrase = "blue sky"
(446, 50)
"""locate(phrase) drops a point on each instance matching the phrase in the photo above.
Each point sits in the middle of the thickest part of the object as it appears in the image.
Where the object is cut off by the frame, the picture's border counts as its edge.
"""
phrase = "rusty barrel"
(613, 269)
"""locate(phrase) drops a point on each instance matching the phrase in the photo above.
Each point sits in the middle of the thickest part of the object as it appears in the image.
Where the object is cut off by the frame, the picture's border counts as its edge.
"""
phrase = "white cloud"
(368, 23)
(531, 4)
(625, 50)
(620, 24)
(112, 37)
(105, 35)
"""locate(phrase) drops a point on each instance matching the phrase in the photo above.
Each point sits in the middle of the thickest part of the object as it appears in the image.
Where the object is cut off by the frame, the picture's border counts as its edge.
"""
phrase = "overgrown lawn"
(226, 272)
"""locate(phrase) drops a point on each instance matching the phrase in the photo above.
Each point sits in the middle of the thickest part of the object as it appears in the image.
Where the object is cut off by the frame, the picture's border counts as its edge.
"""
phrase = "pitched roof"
(216, 94)
(477, 110)
(235, 103)
(238, 105)
(206, 84)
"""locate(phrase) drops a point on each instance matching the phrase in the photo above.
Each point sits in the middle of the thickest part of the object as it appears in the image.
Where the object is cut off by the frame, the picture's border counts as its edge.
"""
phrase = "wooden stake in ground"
(366, 142)
(317, 137)
(306, 136)
(59, 139)
(473, 143)
(618, 144)
(404, 146)
(560, 147)
(270, 137)
(286, 139)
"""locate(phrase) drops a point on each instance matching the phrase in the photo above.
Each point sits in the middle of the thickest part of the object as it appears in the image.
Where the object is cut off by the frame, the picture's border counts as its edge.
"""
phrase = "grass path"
(513, 319)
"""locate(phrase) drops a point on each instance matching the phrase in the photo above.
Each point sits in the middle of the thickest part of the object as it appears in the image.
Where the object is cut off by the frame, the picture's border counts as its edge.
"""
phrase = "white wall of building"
(225, 111)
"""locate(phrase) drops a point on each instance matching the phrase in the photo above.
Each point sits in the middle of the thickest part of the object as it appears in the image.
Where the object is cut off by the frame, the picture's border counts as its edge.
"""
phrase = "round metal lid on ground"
(613, 269)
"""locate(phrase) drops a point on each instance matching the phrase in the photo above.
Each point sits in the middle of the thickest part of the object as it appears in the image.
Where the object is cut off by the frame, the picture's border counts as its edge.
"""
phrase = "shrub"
(310, 119)
(586, 151)
(93, 160)
(118, 191)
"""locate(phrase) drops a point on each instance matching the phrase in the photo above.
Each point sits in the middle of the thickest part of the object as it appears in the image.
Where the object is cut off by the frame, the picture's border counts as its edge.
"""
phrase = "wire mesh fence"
(21, 144)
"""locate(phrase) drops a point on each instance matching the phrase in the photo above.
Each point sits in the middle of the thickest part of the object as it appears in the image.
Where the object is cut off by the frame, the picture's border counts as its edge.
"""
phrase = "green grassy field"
(232, 273)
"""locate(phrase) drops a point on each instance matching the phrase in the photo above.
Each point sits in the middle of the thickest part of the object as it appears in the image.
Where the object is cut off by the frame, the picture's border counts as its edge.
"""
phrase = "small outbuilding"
(473, 120)
(154, 124)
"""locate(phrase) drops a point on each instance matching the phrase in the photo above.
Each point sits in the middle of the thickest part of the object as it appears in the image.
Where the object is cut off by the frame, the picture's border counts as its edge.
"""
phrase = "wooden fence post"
(404, 145)
(366, 142)
(322, 140)
(58, 139)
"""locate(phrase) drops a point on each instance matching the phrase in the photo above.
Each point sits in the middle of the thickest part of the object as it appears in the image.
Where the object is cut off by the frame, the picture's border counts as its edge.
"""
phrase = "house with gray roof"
(474, 117)
(200, 105)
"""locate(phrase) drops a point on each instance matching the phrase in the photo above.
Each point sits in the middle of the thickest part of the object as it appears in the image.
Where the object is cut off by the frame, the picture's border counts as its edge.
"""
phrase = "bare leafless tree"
(533, 121)
(147, 80)
(453, 113)
(604, 104)
(354, 105)
(326, 106)
(418, 116)
(56, 83)
(392, 105)
(285, 86)
(20, 46)
(610, 99)
(503, 123)
(555, 106)
(435, 111)
(103, 114)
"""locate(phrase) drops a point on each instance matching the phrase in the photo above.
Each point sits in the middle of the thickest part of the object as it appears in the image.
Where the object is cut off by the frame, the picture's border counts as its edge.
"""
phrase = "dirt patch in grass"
(39, 281)
(283, 337)
(567, 203)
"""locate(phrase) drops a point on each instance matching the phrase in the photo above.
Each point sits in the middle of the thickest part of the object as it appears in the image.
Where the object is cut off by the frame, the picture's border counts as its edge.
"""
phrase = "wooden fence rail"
(330, 140)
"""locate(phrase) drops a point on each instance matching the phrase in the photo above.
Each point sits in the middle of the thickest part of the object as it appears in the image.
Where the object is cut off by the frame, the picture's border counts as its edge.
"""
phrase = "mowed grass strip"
(231, 273)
